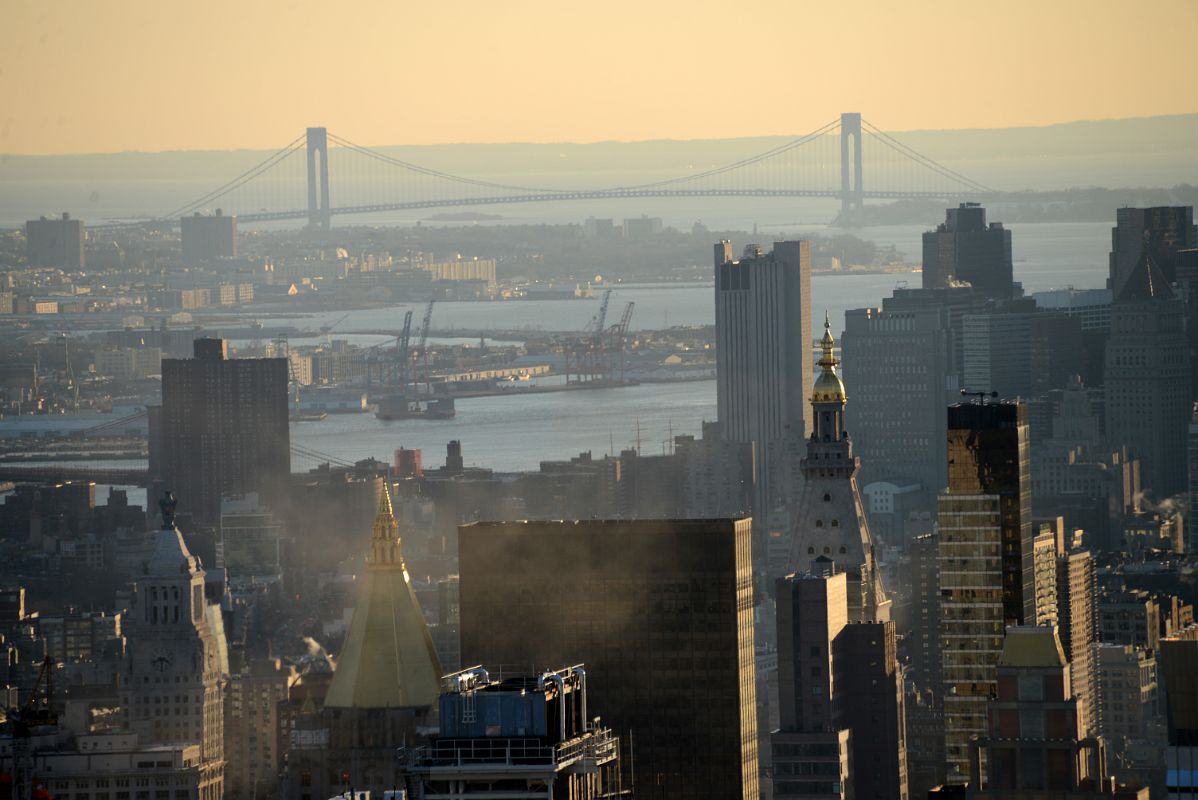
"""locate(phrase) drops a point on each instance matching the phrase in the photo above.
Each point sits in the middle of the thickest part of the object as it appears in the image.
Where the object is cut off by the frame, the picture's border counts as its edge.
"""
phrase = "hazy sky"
(109, 75)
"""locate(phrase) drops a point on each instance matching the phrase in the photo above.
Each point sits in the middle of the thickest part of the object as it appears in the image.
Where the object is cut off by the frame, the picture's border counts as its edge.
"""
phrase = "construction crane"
(617, 341)
(38, 710)
(625, 318)
(325, 330)
(599, 357)
(72, 383)
(37, 713)
(601, 317)
(422, 349)
(403, 347)
(428, 320)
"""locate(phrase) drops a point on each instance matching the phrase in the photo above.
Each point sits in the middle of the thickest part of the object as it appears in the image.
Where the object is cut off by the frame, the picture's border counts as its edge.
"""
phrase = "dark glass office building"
(661, 613)
(965, 249)
(987, 579)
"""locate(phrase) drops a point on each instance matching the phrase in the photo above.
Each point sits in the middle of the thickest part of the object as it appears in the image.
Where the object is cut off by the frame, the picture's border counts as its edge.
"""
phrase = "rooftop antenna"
(979, 397)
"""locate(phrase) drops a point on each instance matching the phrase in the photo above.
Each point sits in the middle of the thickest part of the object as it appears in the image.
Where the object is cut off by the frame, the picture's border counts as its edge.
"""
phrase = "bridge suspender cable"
(243, 178)
(802, 140)
(432, 173)
(792, 169)
(304, 452)
(923, 160)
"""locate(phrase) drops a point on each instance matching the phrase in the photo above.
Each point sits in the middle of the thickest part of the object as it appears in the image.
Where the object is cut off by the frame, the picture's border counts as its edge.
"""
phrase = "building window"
(1031, 687)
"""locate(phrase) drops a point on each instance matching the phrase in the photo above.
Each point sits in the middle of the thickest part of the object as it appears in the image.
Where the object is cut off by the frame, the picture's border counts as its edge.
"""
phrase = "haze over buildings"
(388, 455)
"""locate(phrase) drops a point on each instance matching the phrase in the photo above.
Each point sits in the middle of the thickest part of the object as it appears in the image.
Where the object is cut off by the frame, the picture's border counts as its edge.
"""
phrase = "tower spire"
(384, 541)
(828, 387)
(830, 522)
(388, 659)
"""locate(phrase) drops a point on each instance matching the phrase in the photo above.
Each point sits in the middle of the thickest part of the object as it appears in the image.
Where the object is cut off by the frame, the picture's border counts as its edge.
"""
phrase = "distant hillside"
(1154, 151)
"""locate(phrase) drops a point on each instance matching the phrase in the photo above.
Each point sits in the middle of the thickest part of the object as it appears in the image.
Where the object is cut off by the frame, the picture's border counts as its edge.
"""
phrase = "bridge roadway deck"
(600, 194)
(56, 474)
(603, 194)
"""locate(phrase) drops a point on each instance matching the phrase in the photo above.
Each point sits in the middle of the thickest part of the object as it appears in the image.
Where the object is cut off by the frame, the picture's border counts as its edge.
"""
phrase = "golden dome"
(828, 387)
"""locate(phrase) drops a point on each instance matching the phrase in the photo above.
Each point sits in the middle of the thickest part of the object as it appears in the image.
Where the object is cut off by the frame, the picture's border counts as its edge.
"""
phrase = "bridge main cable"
(920, 158)
(243, 178)
(433, 173)
(744, 162)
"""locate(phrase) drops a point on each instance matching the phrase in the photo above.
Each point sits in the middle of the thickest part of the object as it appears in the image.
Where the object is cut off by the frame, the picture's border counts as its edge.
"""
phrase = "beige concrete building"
(177, 658)
(115, 765)
(830, 520)
(252, 737)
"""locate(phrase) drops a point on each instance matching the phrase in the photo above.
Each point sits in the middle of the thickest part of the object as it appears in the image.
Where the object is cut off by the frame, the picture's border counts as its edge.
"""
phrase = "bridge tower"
(851, 192)
(320, 214)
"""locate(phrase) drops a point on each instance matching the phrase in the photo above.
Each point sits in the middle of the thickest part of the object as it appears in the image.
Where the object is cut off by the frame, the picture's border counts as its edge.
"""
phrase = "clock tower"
(177, 656)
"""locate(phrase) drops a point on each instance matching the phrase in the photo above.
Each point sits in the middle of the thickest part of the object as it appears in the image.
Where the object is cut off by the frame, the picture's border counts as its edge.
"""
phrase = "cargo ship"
(403, 407)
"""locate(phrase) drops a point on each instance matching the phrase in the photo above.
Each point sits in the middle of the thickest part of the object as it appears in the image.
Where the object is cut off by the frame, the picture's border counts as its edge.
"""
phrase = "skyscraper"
(1075, 476)
(173, 690)
(55, 242)
(830, 520)
(205, 238)
(1192, 484)
(842, 729)
(224, 428)
(1077, 617)
(1128, 713)
(898, 363)
(1179, 663)
(986, 566)
(964, 249)
(1160, 232)
(660, 611)
(764, 363)
(925, 669)
(1035, 744)
(1020, 351)
(1044, 569)
(1148, 406)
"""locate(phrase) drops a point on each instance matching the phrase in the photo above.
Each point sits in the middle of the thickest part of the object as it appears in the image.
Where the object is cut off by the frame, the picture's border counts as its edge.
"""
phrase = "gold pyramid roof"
(388, 659)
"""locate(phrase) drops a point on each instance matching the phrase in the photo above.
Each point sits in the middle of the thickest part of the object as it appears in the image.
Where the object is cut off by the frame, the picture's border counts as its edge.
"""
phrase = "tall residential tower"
(764, 364)
(986, 567)
(224, 428)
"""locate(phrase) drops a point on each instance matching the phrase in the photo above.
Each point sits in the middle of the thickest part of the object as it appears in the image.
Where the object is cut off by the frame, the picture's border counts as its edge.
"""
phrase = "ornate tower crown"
(828, 387)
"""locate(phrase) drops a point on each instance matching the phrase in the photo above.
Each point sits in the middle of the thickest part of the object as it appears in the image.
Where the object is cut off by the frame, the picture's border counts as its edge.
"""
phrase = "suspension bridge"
(848, 159)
